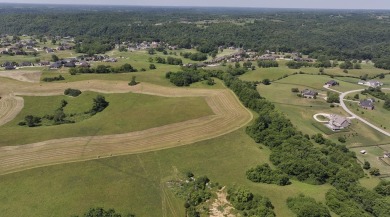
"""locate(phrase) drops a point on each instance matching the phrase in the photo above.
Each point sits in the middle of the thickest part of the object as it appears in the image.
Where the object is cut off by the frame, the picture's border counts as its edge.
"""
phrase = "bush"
(374, 172)
(250, 204)
(366, 165)
(295, 90)
(133, 82)
(59, 78)
(72, 92)
(341, 139)
(307, 207)
(383, 188)
(264, 174)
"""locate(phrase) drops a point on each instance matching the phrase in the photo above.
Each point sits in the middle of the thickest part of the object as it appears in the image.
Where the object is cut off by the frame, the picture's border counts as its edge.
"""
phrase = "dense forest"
(334, 33)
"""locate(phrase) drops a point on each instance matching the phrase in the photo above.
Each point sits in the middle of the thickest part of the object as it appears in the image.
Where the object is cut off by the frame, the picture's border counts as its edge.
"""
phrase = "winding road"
(229, 115)
(342, 96)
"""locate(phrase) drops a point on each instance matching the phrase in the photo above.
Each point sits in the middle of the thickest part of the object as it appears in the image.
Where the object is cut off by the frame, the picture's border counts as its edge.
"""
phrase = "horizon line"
(191, 6)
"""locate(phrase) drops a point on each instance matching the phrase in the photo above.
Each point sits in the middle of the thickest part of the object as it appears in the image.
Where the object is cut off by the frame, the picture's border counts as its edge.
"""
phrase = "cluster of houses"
(82, 61)
(62, 46)
(144, 45)
(234, 57)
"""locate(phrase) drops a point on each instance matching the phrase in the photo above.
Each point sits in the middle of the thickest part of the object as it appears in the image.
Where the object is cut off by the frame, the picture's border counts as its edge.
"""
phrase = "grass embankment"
(126, 112)
(136, 182)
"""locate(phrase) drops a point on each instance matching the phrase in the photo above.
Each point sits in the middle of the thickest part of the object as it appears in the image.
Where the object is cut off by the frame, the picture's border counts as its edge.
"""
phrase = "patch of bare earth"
(221, 207)
(229, 115)
(25, 76)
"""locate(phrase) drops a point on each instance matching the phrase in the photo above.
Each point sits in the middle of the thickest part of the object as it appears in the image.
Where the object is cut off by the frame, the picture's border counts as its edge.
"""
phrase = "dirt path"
(229, 115)
(221, 207)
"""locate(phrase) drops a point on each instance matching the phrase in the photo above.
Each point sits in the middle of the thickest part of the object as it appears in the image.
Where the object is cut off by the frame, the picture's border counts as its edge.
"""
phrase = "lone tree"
(266, 81)
(152, 66)
(133, 82)
(366, 165)
(99, 104)
(54, 58)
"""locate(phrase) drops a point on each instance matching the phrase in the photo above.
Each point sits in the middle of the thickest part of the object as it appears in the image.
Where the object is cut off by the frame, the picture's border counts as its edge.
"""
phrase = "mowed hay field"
(126, 112)
(136, 182)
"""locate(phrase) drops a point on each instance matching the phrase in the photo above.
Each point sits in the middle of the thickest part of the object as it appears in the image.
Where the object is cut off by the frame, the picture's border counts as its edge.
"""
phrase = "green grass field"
(373, 152)
(274, 73)
(379, 116)
(126, 112)
(136, 182)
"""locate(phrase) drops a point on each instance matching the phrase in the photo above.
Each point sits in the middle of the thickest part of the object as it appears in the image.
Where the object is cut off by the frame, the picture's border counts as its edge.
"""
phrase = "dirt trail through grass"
(229, 115)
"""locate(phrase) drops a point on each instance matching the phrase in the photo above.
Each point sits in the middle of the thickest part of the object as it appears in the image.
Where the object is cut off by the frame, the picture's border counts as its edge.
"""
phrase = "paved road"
(342, 95)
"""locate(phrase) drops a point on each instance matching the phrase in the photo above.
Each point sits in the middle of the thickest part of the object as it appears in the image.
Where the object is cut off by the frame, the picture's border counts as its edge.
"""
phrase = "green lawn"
(373, 152)
(379, 116)
(136, 182)
(126, 112)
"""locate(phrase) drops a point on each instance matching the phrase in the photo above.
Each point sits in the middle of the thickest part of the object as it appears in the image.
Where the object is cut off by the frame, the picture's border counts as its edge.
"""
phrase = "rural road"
(229, 115)
(342, 95)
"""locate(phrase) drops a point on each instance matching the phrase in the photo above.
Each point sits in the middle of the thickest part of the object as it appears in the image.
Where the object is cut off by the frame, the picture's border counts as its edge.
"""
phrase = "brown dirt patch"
(221, 207)
(25, 76)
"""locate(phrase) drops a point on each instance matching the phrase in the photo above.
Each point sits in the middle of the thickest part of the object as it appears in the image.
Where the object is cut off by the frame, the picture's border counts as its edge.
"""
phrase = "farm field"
(137, 182)
(127, 112)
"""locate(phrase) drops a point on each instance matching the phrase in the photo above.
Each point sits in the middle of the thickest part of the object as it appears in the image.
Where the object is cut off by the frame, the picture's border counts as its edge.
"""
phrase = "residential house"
(309, 93)
(338, 122)
(84, 64)
(331, 83)
(371, 83)
(374, 83)
(49, 50)
(56, 65)
(367, 104)
(70, 64)
(26, 64)
(9, 67)
(44, 63)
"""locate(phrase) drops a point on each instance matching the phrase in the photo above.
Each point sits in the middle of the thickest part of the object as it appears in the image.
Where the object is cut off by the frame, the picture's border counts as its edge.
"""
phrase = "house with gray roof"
(309, 93)
(367, 104)
(337, 122)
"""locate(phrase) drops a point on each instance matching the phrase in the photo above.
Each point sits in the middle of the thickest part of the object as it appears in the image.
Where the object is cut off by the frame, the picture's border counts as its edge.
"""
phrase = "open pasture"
(136, 182)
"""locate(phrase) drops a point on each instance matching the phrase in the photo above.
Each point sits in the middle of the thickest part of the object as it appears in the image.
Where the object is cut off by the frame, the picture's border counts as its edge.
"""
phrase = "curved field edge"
(229, 115)
(10, 107)
(127, 112)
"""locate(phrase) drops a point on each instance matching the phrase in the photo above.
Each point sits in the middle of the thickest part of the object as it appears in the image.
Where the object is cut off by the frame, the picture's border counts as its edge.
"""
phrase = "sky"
(323, 4)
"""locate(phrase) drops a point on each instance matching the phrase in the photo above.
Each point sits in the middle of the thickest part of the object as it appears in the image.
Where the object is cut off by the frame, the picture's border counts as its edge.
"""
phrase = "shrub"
(72, 92)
